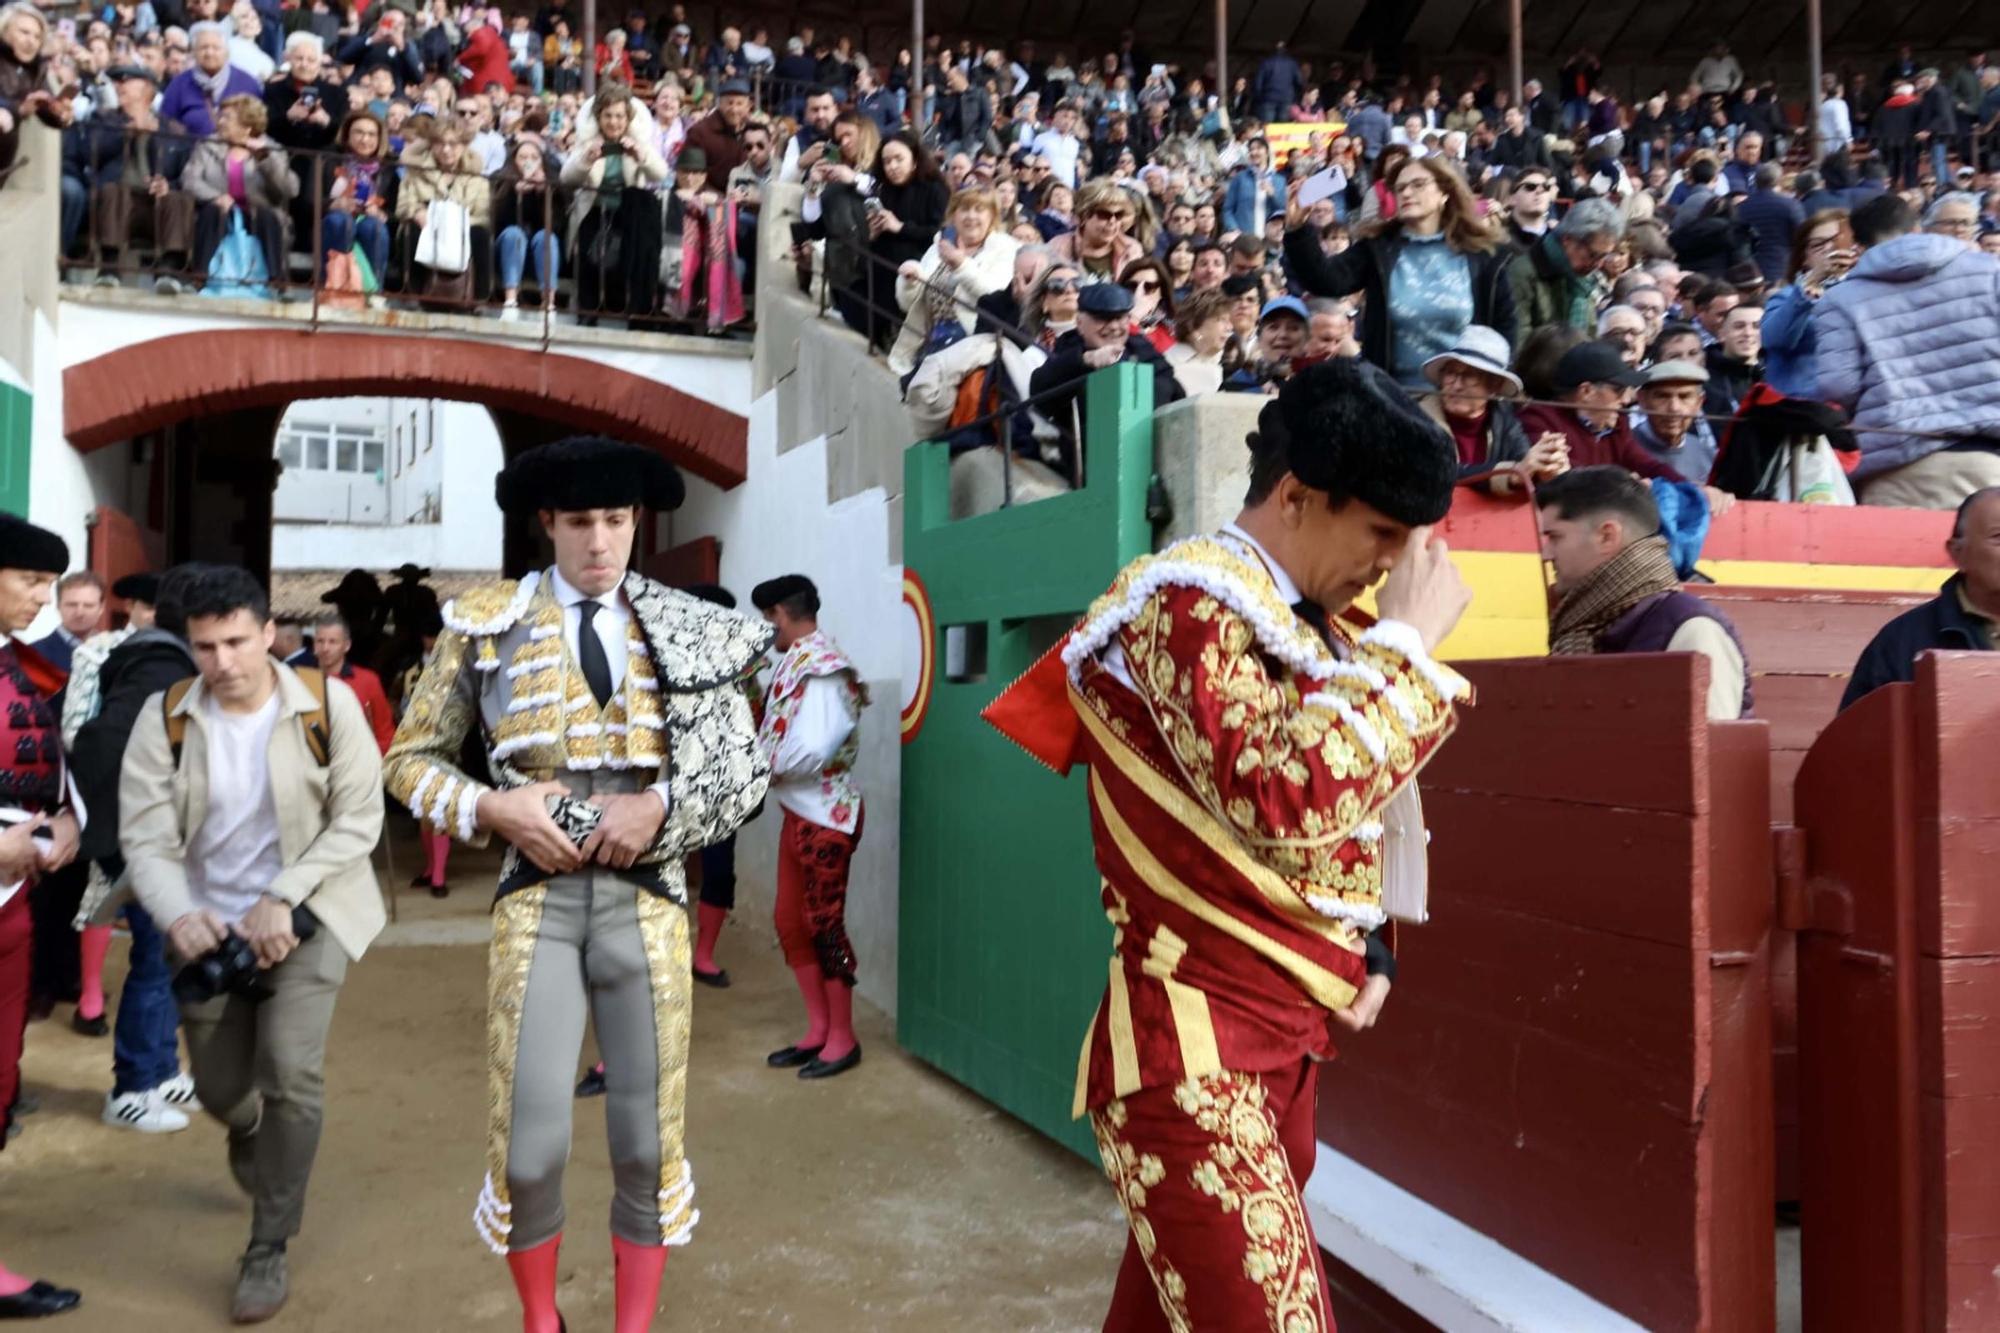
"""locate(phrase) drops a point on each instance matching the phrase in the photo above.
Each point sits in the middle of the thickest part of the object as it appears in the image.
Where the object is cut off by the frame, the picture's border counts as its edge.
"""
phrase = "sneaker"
(260, 1285)
(510, 312)
(178, 1090)
(106, 280)
(146, 1112)
(165, 286)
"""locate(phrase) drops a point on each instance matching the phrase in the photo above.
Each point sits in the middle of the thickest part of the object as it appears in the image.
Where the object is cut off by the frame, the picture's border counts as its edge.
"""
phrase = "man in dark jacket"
(1277, 86)
(1937, 125)
(1519, 145)
(1894, 133)
(1772, 217)
(1963, 616)
(1557, 280)
(147, 1083)
(129, 166)
(1101, 338)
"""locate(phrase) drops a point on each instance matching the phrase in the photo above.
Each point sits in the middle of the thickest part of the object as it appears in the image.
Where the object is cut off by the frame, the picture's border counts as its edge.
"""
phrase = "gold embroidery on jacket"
(669, 961)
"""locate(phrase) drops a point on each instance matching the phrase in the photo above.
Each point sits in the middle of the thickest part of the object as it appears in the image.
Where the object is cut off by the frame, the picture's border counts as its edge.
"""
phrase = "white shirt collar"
(1288, 591)
(568, 596)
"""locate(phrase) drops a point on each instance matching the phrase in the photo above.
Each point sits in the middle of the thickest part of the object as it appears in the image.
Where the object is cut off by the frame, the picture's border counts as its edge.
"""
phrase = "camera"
(231, 967)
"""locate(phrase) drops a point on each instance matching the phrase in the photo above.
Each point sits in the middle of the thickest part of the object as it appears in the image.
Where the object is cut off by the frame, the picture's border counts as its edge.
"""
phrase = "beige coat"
(467, 187)
(329, 816)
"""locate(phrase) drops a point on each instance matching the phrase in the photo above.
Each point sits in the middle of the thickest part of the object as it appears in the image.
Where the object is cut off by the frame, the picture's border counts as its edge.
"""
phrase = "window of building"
(318, 446)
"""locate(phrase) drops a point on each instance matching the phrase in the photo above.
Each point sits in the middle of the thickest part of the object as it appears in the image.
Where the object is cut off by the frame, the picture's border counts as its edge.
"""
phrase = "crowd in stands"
(963, 221)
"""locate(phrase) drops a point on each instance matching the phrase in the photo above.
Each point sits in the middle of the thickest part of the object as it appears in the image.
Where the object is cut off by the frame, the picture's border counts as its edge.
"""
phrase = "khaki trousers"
(1936, 481)
(260, 1068)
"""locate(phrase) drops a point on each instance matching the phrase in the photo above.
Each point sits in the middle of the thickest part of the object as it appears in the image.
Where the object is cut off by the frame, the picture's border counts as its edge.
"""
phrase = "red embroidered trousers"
(1211, 1174)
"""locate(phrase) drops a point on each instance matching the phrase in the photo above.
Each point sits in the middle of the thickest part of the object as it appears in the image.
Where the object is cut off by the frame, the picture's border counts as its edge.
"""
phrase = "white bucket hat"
(1482, 349)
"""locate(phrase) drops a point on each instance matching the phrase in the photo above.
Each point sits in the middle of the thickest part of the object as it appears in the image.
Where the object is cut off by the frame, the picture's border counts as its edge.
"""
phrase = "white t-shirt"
(235, 855)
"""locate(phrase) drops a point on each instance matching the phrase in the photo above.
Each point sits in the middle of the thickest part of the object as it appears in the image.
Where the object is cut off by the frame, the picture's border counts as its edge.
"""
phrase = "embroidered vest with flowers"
(834, 799)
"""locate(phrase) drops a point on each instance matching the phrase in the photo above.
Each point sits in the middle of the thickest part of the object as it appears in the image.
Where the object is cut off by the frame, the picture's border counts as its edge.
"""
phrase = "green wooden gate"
(1003, 943)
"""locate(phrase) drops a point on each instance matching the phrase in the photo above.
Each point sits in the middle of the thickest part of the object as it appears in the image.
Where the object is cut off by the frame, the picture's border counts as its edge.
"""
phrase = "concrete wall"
(1198, 451)
(824, 498)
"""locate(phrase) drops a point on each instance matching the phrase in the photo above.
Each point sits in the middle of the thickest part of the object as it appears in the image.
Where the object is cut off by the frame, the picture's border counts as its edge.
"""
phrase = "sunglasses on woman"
(1145, 285)
(1061, 285)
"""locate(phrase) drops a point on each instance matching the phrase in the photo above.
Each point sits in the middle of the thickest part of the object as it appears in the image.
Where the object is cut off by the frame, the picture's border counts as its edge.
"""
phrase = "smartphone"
(871, 206)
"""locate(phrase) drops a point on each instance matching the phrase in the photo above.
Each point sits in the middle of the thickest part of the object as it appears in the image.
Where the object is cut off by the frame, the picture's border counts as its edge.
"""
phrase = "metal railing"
(105, 247)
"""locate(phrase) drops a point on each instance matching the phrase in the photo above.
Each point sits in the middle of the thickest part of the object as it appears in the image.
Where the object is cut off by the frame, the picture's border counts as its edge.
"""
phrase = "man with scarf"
(1252, 793)
(1617, 586)
(619, 741)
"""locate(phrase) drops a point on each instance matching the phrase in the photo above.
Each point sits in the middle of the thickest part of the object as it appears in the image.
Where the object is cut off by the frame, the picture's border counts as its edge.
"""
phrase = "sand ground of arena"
(887, 1199)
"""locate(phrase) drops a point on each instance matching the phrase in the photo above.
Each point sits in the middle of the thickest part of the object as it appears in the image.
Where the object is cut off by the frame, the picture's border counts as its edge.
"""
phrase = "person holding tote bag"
(446, 211)
(241, 184)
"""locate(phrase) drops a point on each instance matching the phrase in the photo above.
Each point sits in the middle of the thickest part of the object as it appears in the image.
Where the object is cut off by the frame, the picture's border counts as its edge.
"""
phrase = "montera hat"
(25, 546)
(141, 587)
(588, 472)
(1346, 428)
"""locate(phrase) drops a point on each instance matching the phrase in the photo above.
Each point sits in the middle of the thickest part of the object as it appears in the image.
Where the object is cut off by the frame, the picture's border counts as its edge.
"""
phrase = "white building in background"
(368, 483)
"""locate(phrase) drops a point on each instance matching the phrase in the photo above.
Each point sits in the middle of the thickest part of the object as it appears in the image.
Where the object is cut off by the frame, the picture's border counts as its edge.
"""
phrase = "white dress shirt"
(610, 624)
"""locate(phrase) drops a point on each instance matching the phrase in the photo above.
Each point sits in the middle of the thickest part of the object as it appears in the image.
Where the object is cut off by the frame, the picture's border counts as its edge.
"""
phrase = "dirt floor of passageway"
(887, 1199)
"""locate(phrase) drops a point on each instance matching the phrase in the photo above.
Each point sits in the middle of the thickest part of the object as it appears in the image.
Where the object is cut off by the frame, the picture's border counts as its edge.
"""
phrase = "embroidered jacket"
(31, 757)
(1240, 768)
(813, 742)
(502, 664)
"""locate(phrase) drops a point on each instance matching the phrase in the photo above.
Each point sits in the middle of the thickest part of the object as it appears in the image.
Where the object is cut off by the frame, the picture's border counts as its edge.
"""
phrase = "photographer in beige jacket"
(250, 801)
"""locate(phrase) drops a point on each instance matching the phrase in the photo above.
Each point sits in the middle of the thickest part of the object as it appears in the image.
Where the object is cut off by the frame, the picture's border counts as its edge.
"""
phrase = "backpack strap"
(319, 736)
(177, 723)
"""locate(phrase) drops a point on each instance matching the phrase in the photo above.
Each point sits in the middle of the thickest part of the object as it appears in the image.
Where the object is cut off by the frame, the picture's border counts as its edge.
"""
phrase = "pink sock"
(12, 1283)
(437, 850)
(636, 1275)
(96, 944)
(840, 1020)
(812, 989)
(535, 1282)
(708, 931)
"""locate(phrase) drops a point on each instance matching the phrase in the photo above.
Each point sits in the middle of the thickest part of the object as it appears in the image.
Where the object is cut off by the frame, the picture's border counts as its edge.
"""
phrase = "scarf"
(212, 86)
(1634, 574)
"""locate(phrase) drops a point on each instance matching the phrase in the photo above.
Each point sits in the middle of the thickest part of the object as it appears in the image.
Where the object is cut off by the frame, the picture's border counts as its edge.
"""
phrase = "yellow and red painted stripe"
(1496, 545)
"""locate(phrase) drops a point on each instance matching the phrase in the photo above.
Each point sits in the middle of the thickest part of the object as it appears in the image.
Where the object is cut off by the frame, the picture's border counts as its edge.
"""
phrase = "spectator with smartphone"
(26, 84)
(306, 106)
(251, 794)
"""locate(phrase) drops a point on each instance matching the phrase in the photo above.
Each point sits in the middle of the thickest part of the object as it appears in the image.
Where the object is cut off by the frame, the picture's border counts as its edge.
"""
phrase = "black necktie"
(590, 654)
(1314, 615)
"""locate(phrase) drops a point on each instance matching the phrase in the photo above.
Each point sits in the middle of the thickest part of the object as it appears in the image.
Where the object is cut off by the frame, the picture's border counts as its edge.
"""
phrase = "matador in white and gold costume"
(619, 741)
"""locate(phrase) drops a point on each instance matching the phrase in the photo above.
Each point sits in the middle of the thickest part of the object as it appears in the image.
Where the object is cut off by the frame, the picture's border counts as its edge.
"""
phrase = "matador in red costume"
(1252, 771)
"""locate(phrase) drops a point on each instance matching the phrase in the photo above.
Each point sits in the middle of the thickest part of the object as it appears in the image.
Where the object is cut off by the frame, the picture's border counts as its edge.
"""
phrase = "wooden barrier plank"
(1739, 1185)
(1622, 871)
(1961, 1212)
(1625, 1232)
(1958, 717)
(1960, 997)
(1525, 1078)
(1798, 707)
(1807, 633)
(1602, 731)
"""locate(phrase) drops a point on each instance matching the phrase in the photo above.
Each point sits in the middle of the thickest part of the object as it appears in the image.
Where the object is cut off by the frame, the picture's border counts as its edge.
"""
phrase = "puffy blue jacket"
(1911, 342)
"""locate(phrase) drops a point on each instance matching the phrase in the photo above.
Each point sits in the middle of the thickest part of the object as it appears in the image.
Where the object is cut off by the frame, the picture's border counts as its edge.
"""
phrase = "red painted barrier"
(1899, 803)
(1576, 1058)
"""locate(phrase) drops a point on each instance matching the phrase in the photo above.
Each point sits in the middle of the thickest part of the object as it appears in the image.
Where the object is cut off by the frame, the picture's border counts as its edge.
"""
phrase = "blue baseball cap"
(1285, 305)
